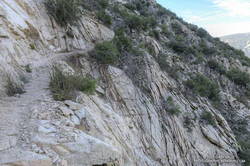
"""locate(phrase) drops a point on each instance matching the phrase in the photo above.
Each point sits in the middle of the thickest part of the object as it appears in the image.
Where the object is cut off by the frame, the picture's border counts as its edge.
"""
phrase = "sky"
(218, 17)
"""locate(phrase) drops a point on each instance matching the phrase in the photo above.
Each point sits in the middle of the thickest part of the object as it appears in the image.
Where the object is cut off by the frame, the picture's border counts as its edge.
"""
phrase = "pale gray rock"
(81, 113)
(121, 125)
(72, 105)
(66, 111)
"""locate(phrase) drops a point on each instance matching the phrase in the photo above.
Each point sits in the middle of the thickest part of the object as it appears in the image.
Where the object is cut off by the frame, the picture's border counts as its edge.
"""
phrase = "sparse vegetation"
(135, 22)
(155, 34)
(177, 28)
(164, 29)
(106, 53)
(103, 3)
(32, 46)
(244, 153)
(104, 17)
(178, 47)
(63, 86)
(245, 61)
(207, 118)
(214, 65)
(13, 88)
(170, 106)
(203, 86)
(64, 11)
(239, 77)
(122, 42)
(205, 49)
(202, 33)
(173, 71)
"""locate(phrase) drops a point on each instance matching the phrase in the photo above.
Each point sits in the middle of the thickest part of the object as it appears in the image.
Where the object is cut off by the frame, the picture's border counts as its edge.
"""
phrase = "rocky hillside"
(117, 83)
(239, 41)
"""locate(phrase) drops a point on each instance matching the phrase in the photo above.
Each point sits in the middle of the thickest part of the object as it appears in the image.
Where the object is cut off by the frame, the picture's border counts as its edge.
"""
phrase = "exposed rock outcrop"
(124, 123)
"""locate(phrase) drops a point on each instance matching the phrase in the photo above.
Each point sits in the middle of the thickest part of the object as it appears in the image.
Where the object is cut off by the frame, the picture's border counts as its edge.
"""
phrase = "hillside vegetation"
(199, 65)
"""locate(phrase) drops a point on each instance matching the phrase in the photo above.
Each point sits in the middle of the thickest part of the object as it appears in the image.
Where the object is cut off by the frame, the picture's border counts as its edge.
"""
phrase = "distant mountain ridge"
(240, 41)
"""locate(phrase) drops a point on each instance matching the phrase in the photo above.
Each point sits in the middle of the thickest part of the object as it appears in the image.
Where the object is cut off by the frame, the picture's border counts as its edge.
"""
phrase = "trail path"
(15, 111)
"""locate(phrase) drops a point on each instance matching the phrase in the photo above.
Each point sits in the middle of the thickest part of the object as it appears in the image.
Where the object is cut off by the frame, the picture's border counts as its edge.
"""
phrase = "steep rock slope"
(28, 34)
(240, 41)
(145, 111)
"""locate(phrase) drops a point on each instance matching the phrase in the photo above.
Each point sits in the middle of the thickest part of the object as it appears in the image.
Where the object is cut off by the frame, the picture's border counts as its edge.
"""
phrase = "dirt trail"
(14, 111)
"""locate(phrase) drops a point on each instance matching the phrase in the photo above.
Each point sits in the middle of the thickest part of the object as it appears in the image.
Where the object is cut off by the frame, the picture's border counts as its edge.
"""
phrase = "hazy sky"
(219, 17)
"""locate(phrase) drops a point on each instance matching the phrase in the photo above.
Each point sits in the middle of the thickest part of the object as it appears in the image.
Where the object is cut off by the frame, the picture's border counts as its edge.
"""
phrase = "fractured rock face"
(27, 36)
(121, 125)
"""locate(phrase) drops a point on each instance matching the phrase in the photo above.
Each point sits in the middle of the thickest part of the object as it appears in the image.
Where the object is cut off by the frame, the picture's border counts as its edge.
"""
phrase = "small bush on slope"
(122, 42)
(12, 88)
(63, 86)
(207, 117)
(212, 64)
(170, 106)
(203, 86)
(104, 17)
(239, 77)
(155, 34)
(106, 53)
(64, 11)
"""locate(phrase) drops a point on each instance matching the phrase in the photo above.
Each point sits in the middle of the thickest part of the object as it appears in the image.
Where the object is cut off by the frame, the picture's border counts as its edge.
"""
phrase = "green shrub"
(106, 53)
(245, 61)
(103, 3)
(32, 46)
(150, 21)
(244, 153)
(214, 65)
(96, 5)
(164, 29)
(178, 47)
(135, 22)
(205, 49)
(155, 34)
(13, 88)
(207, 118)
(137, 51)
(202, 33)
(170, 106)
(177, 28)
(239, 77)
(122, 42)
(193, 27)
(63, 86)
(199, 58)
(130, 6)
(203, 86)
(64, 11)
(173, 71)
(105, 18)
(180, 38)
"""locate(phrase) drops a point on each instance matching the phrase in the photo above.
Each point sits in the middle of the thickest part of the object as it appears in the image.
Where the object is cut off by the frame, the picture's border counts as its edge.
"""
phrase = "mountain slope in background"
(239, 41)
